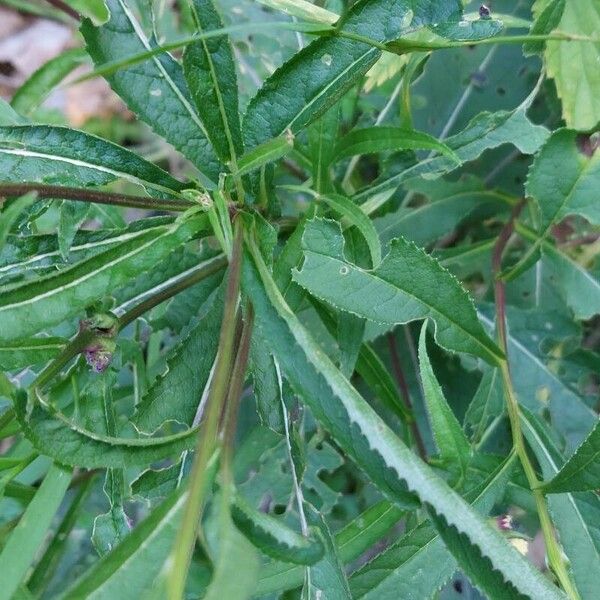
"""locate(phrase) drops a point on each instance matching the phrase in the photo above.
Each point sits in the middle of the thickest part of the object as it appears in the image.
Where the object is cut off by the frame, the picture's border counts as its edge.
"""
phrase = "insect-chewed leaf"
(210, 72)
(129, 569)
(368, 440)
(408, 285)
(273, 537)
(316, 77)
(34, 306)
(165, 104)
(59, 155)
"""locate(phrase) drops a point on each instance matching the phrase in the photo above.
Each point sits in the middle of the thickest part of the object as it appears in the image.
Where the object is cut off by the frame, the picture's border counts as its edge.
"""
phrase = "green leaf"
(485, 131)
(10, 214)
(372, 140)
(96, 10)
(176, 394)
(575, 516)
(55, 434)
(111, 527)
(538, 382)
(165, 105)
(327, 576)
(30, 532)
(354, 215)
(236, 562)
(452, 444)
(303, 10)
(72, 215)
(579, 285)
(128, 570)
(210, 73)
(351, 541)
(317, 76)
(574, 65)
(469, 29)
(366, 438)
(267, 385)
(582, 471)
(450, 203)
(322, 136)
(273, 537)
(59, 155)
(487, 403)
(544, 23)
(34, 91)
(19, 354)
(8, 116)
(573, 156)
(34, 306)
(391, 293)
(265, 153)
(405, 569)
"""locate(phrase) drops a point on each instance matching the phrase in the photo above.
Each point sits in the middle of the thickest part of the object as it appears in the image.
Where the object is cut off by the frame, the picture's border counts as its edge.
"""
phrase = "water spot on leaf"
(344, 270)
(156, 93)
(326, 59)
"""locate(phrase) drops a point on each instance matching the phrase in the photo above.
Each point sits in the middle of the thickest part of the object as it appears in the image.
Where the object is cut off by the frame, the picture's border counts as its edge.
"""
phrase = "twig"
(64, 7)
(59, 192)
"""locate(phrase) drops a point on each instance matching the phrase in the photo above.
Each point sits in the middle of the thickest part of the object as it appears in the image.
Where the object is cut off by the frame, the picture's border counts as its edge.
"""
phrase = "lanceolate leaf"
(165, 104)
(392, 293)
(58, 155)
(210, 72)
(53, 298)
(176, 395)
(372, 140)
(404, 569)
(576, 516)
(449, 437)
(65, 440)
(10, 214)
(582, 471)
(316, 77)
(485, 131)
(33, 92)
(366, 438)
(28, 536)
(487, 403)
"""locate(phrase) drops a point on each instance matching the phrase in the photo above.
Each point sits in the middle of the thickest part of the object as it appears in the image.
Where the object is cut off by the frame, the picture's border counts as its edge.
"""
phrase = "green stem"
(183, 547)
(553, 551)
(59, 192)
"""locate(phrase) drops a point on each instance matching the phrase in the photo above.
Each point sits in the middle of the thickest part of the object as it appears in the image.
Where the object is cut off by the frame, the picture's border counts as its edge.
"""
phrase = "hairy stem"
(181, 554)
(59, 192)
(555, 558)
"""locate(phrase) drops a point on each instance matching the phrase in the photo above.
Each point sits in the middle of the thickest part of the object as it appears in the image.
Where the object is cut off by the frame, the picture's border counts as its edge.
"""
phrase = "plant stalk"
(185, 540)
(553, 551)
(59, 192)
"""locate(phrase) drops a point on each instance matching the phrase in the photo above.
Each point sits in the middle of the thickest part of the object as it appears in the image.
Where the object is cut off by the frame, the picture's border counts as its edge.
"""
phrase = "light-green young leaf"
(408, 285)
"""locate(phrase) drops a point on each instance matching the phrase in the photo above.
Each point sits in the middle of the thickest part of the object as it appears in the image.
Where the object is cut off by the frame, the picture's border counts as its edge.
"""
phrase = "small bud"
(504, 522)
(199, 197)
(99, 354)
(100, 323)
(484, 12)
